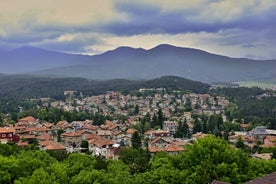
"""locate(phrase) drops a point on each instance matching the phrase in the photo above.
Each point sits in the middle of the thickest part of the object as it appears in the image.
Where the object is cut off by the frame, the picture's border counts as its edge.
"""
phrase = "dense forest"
(206, 160)
(248, 104)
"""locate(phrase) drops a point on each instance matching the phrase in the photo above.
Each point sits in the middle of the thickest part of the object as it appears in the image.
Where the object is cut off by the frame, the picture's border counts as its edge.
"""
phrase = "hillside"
(131, 63)
(25, 86)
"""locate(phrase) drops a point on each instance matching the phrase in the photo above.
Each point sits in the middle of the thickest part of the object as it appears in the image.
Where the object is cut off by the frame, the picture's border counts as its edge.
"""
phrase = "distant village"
(108, 138)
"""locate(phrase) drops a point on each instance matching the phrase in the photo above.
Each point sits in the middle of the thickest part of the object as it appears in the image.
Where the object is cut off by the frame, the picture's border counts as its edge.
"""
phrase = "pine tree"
(160, 118)
(136, 140)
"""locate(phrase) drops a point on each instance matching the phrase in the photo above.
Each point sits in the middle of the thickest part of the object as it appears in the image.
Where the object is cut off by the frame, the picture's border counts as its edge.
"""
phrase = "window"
(3, 135)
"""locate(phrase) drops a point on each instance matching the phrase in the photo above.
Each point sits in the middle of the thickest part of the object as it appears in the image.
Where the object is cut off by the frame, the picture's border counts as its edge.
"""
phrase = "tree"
(98, 119)
(154, 121)
(136, 140)
(1, 119)
(136, 159)
(188, 104)
(240, 144)
(136, 110)
(161, 118)
(182, 129)
(226, 134)
(197, 126)
(212, 158)
(59, 132)
(84, 145)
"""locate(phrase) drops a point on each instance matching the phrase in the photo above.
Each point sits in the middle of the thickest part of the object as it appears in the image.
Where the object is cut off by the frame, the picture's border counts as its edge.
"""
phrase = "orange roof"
(71, 134)
(268, 145)
(157, 139)
(30, 129)
(28, 119)
(104, 132)
(117, 132)
(174, 148)
(91, 136)
(22, 144)
(7, 130)
(149, 132)
(48, 125)
(100, 142)
(62, 124)
(19, 127)
(243, 125)
(42, 129)
(271, 138)
(44, 137)
(131, 131)
(190, 125)
(91, 127)
(55, 147)
(199, 135)
(51, 145)
(112, 127)
(153, 149)
(109, 123)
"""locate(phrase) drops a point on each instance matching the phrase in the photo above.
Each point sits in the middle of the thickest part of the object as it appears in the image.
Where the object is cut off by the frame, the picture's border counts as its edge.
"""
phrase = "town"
(132, 113)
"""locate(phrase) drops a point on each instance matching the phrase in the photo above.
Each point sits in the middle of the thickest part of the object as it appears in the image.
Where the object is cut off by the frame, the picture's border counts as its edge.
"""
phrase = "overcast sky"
(236, 28)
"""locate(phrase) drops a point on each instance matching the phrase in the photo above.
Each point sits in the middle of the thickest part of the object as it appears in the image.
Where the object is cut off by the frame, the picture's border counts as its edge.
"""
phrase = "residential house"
(26, 121)
(51, 145)
(170, 126)
(72, 139)
(104, 133)
(100, 146)
(269, 141)
(7, 133)
(259, 132)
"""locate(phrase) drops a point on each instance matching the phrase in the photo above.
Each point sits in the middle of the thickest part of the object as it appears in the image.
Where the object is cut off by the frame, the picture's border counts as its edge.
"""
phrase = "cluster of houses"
(107, 140)
(115, 103)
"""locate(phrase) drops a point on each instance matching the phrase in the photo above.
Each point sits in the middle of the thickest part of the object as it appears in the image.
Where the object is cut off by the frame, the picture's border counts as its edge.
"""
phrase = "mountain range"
(137, 63)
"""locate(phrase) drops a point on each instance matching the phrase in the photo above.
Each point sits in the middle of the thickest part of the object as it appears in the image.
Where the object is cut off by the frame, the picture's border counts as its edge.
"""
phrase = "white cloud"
(67, 25)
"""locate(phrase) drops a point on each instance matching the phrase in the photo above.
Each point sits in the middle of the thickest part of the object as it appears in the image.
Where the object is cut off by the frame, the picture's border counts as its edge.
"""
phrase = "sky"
(235, 28)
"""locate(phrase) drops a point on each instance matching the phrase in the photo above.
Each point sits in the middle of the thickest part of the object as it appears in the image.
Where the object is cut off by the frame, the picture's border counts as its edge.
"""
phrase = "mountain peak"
(27, 48)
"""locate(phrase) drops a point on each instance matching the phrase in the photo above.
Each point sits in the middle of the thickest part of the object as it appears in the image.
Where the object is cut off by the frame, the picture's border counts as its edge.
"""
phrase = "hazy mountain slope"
(169, 60)
(28, 59)
(130, 63)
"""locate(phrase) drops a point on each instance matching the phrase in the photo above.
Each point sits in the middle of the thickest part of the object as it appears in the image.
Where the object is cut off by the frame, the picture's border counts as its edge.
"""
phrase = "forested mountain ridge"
(26, 86)
(131, 63)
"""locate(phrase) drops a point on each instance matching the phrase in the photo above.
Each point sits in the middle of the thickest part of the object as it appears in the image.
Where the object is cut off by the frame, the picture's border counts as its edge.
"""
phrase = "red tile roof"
(27, 119)
(174, 148)
(44, 137)
(71, 134)
(7, 130)
(51, 145)
(100, 142)
(91, 127)
(117, 132)
(131, 131)
(22, 144)
(153, 149)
